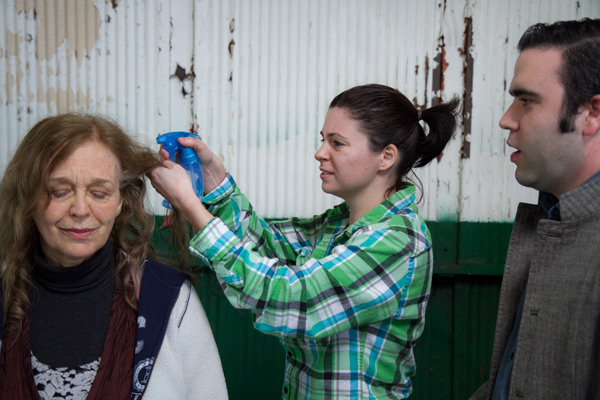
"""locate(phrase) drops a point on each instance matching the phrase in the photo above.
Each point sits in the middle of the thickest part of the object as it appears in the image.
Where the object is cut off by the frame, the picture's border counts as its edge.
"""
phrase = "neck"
(589, 169)
(359, 207)
(590, 165)
(98, 269)
(72, 306)
(361, 203)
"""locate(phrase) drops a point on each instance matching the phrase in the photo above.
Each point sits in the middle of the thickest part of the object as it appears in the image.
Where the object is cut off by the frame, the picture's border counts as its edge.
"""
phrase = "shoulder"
(188, 313)
(159, 273)
(188, 363)
(161, 288)
(402, 232)
(396, 222)
(527, 216)
(160, 277)
(406, 229)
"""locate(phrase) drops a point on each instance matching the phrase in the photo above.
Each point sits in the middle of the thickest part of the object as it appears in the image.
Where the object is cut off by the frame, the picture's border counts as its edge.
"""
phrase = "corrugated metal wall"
(254, 78)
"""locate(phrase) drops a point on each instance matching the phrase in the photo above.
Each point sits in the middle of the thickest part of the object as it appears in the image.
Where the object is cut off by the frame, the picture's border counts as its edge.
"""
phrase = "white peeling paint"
(254, 79)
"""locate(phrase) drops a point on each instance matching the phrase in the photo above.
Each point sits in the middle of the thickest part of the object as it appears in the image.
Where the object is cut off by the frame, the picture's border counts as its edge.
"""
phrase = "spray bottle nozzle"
(171, 144)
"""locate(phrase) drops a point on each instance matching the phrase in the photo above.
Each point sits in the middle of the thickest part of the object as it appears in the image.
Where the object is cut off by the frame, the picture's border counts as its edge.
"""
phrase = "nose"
(321, 153)
(508, 120)
(79, 206)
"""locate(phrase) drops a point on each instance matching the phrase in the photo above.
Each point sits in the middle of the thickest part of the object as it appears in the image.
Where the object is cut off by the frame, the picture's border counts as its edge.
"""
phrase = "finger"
(156, 174)
(163, 153)
(168, 164)
(192, 142)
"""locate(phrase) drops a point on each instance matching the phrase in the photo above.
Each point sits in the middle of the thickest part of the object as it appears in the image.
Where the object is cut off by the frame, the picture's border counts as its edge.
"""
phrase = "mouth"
(78, 233)
(514, 156)
(325, 174)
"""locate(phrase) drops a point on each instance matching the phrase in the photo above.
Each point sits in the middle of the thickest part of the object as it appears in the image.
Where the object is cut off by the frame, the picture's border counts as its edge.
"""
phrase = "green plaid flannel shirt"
(347, 302)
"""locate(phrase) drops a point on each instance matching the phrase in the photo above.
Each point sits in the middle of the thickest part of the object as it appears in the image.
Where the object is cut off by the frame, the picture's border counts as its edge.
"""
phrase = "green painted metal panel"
(433, 350)
(470, 248)
(453, 353)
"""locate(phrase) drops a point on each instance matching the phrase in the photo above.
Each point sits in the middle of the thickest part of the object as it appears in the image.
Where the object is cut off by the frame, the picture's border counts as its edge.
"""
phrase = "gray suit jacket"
(558, 349)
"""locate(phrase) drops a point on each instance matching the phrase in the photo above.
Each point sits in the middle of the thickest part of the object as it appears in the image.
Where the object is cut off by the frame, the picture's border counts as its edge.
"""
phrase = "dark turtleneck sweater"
(71, 309)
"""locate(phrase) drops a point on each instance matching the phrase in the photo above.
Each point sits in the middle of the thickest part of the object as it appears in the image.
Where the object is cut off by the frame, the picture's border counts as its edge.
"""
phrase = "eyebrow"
(332, 134)
(95, 182)
(523, 92)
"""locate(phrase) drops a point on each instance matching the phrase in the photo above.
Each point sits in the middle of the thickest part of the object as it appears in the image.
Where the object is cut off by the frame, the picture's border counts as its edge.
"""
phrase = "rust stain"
(425, 82)
(426, 91)
(439, 156)
(181, 74)
(438, 72)
(468, 87)
(230, 47)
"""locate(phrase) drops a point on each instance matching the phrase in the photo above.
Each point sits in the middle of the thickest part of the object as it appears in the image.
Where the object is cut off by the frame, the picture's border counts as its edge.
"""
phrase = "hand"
(213, 170)
(173, 182)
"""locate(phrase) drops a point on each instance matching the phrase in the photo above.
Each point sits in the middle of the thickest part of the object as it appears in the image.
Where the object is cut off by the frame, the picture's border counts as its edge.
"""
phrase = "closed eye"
(100, 195)
(59, 193)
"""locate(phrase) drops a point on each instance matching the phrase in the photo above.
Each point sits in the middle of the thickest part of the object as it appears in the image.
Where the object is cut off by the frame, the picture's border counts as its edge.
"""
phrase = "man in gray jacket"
(547, 343)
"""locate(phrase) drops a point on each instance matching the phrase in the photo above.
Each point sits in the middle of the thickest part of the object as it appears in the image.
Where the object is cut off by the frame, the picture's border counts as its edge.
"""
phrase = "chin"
(325, 189)
(82, 254)
(332, 192)
(527, 182)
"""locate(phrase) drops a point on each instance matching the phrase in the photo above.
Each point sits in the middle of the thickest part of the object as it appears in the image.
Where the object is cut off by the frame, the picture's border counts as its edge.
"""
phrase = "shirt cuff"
(213, 242)
(221, 191)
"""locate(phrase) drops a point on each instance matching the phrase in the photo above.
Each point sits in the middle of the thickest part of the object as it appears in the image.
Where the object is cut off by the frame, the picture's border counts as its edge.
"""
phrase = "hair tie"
(418, 113)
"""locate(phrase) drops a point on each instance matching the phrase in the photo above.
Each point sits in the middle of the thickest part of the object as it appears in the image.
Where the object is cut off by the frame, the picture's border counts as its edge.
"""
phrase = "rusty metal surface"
(254, 79)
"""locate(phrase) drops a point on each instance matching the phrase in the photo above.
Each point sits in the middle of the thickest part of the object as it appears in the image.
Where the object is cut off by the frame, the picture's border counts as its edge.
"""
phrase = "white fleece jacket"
(188, 365)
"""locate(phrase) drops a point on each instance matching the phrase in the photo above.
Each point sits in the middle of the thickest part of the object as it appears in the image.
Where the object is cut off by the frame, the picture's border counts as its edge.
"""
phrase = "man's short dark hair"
(580, 70)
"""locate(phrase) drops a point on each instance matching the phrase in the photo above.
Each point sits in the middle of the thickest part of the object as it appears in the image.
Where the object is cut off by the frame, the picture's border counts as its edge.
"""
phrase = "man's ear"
(591, 123)
(389, 155)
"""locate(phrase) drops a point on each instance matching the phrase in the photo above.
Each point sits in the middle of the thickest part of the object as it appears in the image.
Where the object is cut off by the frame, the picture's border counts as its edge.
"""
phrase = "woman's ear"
(389, 155)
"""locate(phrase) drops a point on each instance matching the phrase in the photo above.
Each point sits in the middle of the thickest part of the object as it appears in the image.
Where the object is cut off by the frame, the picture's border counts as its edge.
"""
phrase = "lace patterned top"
(63, 383)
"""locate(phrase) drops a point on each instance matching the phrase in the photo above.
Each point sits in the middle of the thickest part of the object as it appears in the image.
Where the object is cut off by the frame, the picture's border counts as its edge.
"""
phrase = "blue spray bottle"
(187, 159)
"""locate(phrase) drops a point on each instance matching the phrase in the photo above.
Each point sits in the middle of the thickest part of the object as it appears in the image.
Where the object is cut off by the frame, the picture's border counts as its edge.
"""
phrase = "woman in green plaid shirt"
(346, 290)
